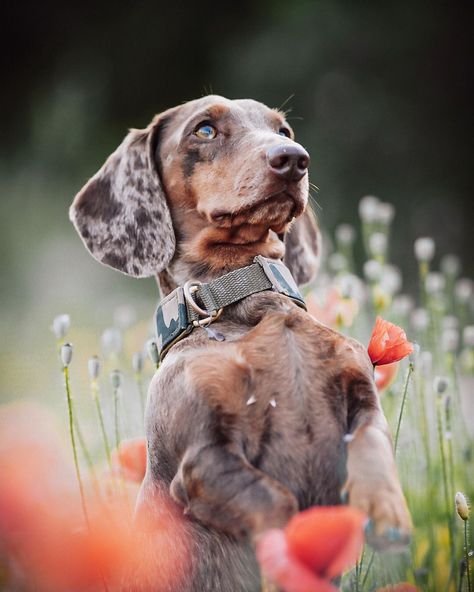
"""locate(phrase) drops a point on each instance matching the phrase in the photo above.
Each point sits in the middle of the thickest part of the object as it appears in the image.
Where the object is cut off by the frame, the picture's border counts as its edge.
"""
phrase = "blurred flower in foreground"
(61, 325)
(130, 459)
(316, 546)
(41, 524)
(388, 343)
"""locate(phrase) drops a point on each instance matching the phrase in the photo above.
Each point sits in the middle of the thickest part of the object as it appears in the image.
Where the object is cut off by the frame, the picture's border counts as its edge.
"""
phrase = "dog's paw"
(389, 525)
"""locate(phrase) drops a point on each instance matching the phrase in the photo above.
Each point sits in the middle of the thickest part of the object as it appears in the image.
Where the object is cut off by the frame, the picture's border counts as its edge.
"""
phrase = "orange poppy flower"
(388, 343)
(130, 459)
(316, 546)
(45, 540)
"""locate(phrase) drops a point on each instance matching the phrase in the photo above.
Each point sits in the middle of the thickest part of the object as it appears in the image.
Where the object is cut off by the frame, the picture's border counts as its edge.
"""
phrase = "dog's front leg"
(372, 482)
(219, 488)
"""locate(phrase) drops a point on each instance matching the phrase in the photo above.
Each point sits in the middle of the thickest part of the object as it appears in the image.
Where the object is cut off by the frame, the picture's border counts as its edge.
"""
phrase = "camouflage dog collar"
(197, 304)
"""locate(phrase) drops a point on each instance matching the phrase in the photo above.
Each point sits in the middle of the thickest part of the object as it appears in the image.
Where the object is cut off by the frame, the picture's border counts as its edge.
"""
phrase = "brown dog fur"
(231, 470)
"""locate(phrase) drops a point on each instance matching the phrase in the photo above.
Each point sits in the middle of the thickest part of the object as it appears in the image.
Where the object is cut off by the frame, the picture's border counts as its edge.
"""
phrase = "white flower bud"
(116, 379)
(345, 234)
(152, 349)
(372, 270)
(463, 290)
(450, 265)
(450, 340)
(124, 316)
(462, 507)
(385, 213)
(424, 249)
(137, 362)
(111, 341)
(350, 286)
(93, 366)
(391, 280)
(420, 319)
(440, 384)
(402, 305)
(435, 283)
(468, 336)
(378, 243)
(337, 262)
(368, 208)
(61, 325)
(66, 354)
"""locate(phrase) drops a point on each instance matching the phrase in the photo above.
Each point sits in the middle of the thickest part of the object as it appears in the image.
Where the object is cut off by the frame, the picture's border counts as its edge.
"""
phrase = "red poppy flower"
(44, 538)
(316, 546)
(388, 343)
(130, 459)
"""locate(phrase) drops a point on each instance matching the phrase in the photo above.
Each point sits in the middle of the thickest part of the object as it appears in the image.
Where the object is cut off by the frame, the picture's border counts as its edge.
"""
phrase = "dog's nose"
(288, 161)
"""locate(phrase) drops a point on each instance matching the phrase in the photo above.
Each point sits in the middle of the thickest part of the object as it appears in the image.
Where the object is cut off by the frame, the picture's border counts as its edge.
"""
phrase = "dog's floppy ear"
(121, 214)
(303, 248)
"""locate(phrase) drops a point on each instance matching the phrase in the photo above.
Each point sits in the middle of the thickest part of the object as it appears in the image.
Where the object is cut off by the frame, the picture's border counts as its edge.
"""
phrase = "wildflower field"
(70, 476)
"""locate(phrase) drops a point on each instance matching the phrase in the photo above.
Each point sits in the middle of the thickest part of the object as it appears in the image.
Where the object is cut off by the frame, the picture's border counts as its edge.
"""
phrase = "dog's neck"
(183, 269)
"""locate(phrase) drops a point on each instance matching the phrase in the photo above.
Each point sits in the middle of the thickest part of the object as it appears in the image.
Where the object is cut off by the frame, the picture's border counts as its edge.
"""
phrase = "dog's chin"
(275, 211)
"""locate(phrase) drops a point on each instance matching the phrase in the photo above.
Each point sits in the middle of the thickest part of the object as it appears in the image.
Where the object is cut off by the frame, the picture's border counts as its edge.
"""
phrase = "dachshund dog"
(280, 415)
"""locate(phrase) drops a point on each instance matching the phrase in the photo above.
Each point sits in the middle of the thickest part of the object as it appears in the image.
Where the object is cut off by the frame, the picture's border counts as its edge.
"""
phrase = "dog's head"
(203, 189)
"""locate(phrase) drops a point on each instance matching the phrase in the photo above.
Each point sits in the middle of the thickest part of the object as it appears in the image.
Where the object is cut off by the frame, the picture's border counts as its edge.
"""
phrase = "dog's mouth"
(273, 212)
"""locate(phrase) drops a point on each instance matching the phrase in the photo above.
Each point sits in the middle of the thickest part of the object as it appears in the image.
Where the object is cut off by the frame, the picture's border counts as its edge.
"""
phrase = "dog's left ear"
(122, 214)
(303, 248)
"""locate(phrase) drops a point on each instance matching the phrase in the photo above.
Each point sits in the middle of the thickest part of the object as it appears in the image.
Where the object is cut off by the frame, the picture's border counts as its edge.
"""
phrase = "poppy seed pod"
(116, 379)
(368, 208)
(152, 349)
(345, 234)
(461, 506)
(424, 248)
(66, 354)
(61, 325)
(93, 366)
(440, 384)
(137, 362)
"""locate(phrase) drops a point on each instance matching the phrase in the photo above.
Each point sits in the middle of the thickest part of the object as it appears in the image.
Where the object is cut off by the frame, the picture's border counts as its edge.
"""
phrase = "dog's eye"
(205, 131)
(284, 131)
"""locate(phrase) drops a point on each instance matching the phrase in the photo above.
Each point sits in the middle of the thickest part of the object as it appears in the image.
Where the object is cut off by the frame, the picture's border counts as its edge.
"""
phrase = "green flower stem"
(73, 443)
(447, 499)
(402, 408)
(466, 554)
(87, 457)
(450, 459)
(100, 416)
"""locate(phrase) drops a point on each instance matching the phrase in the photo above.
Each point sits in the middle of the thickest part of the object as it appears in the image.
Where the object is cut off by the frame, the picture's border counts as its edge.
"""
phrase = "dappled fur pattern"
(246, 432)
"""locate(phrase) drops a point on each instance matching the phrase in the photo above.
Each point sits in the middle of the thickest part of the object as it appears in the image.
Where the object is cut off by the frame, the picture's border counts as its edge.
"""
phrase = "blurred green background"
(381, 95)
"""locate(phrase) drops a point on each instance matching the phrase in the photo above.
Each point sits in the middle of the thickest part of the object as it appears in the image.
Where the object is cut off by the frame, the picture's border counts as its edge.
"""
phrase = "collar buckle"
(190, 288)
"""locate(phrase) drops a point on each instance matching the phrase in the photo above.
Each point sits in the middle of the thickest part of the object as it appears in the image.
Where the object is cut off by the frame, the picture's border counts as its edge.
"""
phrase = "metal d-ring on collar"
(190, 288)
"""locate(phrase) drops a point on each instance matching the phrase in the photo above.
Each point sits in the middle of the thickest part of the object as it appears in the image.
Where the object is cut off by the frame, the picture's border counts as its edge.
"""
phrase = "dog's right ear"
(121, 214)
